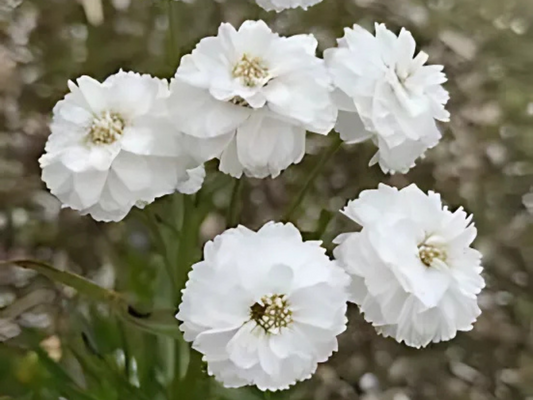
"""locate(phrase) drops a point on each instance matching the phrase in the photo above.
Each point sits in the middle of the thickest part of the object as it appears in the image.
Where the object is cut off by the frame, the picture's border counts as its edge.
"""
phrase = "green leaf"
(323, 222)
(100, 369)
(77, 282)
(61, 379)
(158, 322)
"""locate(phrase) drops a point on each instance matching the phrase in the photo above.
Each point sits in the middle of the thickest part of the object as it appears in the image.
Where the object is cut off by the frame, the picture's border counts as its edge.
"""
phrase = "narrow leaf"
(159, 322)
(61, 378)
(77, 282)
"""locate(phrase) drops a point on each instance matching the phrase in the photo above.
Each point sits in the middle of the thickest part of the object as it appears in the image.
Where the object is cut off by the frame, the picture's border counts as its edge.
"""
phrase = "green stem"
(161, 246)
(191, 220)
(169, 226)
(232, 218)
(192, 382)
(125, 348)
(174, 51)
(189, 241)
(330, 151)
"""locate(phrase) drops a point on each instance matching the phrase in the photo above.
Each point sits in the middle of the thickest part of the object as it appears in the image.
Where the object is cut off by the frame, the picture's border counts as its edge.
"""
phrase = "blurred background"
(484, 163)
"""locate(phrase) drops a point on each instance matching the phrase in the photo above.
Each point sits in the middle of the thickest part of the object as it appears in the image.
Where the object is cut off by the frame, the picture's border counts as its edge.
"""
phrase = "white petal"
(268, 360)
(351, 128)
(133, 171)
(243, 347)
(196, 113)
(89, 185)
(370, 204)
(255, 143)
(132, 94)
(151, 136)
(193, 182)
(94, 93)
(214, 342)
(266, 146)
(229, 161)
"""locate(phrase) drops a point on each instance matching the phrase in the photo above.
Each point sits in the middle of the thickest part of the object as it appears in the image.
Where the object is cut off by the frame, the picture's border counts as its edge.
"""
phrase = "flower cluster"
(264, 308)
(246, 97)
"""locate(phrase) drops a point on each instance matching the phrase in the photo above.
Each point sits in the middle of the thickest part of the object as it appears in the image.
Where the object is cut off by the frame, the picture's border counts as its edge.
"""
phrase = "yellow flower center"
(251, 71)
(106, 128)
(428, 253)
(272, 313)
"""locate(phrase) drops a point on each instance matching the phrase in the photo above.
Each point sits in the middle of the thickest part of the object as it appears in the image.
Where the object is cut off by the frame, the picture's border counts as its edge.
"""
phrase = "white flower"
(112, 146)
(280, 5)
(264, 308)
(387, 94)
(414, 274)
(251, 95)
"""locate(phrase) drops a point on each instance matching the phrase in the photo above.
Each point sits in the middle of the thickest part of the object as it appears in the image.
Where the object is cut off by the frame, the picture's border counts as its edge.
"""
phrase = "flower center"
(272, 313)
(428, 253)
(402, 76)
(106, 128)
(251, 71)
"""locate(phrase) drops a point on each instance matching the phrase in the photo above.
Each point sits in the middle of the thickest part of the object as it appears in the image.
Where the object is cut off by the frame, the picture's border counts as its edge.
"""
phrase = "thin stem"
(189, 241)
(174, 51)
(232, 218)
(188, 244)
(192, 382)
(218, 13)
(160, 243)
(175, 231)
(125, 348)
(330, 151)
